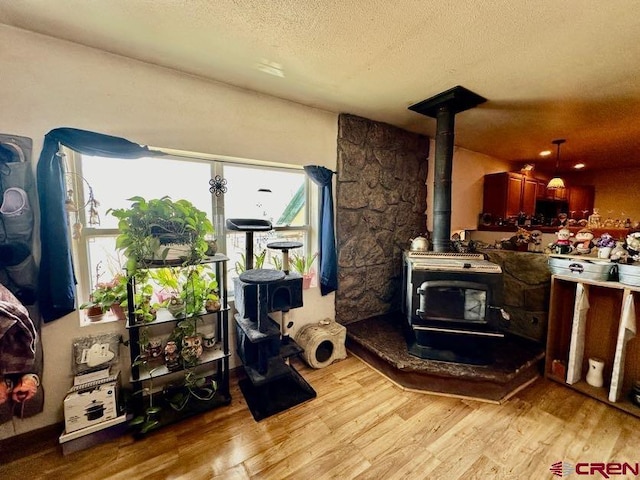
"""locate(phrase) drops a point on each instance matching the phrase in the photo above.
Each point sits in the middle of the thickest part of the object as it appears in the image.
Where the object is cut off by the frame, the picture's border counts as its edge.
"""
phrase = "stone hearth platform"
(381, 343)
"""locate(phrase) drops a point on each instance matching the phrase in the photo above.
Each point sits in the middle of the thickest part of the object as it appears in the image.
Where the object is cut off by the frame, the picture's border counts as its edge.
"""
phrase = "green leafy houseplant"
(150, 229)
(106, 295)
(302, 264)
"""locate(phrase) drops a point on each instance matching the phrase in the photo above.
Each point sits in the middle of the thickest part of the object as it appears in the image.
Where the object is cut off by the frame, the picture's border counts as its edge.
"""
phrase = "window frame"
(80, 248)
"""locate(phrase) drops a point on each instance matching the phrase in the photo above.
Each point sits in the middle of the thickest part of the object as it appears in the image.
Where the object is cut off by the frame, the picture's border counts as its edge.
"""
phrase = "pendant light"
(556, 182)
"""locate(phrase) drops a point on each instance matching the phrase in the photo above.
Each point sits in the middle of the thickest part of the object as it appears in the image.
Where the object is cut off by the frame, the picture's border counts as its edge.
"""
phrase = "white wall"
(467, 181)
(47, 83)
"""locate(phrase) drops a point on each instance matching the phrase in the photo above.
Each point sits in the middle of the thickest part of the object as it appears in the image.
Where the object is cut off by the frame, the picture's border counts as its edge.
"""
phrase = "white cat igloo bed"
(323, 343)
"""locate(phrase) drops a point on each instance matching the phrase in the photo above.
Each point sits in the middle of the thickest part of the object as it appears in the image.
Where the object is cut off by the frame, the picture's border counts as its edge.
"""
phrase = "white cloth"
(626, 331)
(576, 348)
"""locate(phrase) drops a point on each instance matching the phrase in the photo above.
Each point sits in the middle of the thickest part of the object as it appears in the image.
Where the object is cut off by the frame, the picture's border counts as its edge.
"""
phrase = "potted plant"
(605, 244)
(161, 231)
(144, 310)
(302, 264)
(188, 340)
(106, 296)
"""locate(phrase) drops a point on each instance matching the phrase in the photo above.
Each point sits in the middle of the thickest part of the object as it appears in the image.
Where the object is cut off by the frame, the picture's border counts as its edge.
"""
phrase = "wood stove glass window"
(454, 301)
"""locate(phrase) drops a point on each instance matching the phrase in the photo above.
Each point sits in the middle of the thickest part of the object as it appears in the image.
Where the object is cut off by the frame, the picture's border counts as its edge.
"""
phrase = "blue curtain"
(328, 257)
(56, 281)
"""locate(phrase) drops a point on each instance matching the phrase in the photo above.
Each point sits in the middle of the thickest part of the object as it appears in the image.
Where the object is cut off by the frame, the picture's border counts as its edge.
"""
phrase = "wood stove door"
(454, 301)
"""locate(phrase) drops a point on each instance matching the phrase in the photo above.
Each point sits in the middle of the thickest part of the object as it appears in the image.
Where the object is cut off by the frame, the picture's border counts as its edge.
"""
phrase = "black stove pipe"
(443, 168)
(444, 107)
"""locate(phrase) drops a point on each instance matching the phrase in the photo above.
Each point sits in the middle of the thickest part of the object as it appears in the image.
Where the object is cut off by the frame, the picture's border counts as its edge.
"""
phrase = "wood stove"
(453, 306)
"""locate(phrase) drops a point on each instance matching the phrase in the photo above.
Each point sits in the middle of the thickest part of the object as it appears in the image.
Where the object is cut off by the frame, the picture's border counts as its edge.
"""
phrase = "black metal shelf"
(163, 316)
(155, 368)
(214, 359)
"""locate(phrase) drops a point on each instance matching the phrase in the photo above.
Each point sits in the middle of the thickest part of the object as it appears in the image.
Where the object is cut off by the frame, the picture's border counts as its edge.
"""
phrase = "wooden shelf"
(600, 394)
(591, 318)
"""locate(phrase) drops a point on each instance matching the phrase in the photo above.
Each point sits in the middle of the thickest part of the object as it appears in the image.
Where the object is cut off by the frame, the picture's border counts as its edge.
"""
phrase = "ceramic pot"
(176, 307)
(94, 314)
(191, 349)
(604, 252)
(118, 311)
(595, 373)
(306, 281)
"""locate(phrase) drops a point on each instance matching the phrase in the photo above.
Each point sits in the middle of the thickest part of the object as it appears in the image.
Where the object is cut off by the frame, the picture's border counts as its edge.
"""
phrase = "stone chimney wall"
(381, 203)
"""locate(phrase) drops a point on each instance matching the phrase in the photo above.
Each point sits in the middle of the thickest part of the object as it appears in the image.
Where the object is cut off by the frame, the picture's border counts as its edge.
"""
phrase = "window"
(279, 194)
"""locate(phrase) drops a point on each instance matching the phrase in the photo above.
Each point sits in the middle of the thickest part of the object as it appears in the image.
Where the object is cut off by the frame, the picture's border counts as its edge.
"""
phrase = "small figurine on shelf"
(171, 356)
(584, 241)
(563, 244)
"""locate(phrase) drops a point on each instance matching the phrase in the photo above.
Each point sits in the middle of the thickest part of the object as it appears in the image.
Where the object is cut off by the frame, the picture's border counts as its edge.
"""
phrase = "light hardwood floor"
(361, 426)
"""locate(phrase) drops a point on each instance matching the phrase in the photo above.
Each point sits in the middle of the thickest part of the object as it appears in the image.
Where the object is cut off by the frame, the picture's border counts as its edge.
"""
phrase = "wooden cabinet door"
(528, 197)
(559, 193)
(581, 200)
(514, 195)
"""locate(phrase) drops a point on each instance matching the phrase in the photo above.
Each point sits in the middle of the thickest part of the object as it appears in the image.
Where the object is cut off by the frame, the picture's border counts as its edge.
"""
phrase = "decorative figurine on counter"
(619, 254)
(595, 221)
(633, 246)
(563, 244)
(584, 241)
(535, 242)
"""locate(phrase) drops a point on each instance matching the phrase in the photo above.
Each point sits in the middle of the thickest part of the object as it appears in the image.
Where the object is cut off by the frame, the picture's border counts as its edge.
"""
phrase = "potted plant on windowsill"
(302, 264)
(107, 296)
(161, 231)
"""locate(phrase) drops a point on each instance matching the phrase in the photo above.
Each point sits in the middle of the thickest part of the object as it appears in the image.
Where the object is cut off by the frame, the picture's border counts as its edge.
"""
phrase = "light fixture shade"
(555, 183)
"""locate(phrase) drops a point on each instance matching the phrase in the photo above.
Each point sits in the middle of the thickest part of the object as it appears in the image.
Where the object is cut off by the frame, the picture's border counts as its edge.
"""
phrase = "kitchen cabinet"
(594, 319)
(581, 200)
(507, 194)
(557, 193)
(541, 189)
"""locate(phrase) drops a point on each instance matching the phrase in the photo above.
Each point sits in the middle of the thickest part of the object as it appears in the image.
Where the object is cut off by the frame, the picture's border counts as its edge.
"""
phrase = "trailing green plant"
(302, 264)
(195, 386)
(149, 418)
(149, 228)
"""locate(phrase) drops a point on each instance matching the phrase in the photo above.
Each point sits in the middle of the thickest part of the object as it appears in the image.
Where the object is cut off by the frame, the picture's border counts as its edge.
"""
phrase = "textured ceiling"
(549, 69)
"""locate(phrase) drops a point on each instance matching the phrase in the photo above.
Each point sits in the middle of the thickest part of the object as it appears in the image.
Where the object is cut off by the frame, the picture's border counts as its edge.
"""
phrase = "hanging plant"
(161, 231)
